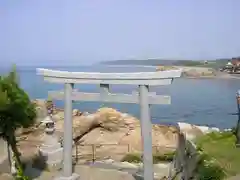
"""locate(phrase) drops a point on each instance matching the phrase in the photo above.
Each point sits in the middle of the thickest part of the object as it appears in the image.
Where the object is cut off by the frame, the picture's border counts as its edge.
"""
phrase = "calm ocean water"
(199, 101)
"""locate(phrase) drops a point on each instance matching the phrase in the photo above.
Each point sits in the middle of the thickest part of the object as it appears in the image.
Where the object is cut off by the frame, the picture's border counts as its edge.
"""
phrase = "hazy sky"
(88, 31)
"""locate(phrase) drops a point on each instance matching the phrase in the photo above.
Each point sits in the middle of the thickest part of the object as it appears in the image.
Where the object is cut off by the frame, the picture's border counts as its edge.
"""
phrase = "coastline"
(212, 77)
(193, 72)
(182, 91)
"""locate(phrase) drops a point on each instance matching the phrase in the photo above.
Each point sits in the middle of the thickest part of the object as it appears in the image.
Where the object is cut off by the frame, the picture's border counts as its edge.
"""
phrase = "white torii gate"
(143, 97)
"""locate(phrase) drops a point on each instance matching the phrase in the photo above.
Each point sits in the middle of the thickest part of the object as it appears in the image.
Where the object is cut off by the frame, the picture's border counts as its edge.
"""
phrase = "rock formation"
(113, 132)
(192, 131)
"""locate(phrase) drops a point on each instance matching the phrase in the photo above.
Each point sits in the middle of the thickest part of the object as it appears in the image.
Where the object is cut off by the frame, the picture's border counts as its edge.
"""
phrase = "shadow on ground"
(140, 177)
(34, 166)
(136, 177)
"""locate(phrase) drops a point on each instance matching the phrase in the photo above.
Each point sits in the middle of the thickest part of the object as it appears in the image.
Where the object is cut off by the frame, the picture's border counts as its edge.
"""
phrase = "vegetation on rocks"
(132, 158)
(157, 158)
(16, 111)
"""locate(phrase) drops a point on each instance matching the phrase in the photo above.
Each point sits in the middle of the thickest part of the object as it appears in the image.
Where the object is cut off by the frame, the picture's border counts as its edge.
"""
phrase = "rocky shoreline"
(113, 135)
(111, 127)
(110, 133)
(117, 132)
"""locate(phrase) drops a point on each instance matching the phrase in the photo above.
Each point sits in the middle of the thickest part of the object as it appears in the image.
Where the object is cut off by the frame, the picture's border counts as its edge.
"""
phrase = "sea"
(209, 102)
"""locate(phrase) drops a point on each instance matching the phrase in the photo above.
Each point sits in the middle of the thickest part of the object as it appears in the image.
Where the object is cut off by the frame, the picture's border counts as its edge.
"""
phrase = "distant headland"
(165, 62)
(191, 68)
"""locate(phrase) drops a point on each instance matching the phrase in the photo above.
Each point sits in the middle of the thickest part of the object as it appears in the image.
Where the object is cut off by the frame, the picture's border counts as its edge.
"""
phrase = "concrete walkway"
(160, 170)
(101, 171)
(90, 173)
(86, 173)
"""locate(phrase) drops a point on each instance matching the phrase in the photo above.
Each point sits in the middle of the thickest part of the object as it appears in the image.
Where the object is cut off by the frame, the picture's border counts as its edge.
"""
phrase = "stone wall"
(187, 155)
(186, 160)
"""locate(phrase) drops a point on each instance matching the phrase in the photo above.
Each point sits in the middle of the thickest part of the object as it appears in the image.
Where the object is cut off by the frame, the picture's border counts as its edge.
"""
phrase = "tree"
(16, 111)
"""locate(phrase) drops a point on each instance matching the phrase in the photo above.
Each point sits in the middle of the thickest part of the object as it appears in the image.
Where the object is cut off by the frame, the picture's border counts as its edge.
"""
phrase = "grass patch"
(221, 148)
(132, 158)
(157, 158)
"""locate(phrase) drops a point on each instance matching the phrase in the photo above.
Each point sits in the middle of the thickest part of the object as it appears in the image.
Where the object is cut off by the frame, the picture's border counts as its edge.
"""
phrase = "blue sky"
(86, 31)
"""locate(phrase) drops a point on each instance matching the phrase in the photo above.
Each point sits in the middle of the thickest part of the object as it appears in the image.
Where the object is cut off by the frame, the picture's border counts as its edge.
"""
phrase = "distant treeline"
(157, 62)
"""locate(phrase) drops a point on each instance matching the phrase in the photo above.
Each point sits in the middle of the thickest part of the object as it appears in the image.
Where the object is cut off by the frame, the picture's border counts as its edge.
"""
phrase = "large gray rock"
(192, 131)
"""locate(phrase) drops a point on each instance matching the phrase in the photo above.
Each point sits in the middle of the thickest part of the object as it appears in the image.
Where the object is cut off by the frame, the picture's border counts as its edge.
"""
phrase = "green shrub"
(209, 170)
(158, 157)
(163, 157)
(20, 173)
(211, 147)
(132, 158)
(16, 112)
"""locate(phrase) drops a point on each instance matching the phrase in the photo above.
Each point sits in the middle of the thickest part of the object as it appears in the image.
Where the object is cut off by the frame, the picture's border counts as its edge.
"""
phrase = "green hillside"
(156, 62)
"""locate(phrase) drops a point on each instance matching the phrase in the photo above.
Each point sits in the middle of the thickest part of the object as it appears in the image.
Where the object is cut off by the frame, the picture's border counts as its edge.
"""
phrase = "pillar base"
(74, 176)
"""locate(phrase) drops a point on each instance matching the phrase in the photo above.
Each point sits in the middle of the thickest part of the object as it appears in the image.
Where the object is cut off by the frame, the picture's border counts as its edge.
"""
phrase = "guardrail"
(112, 151)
